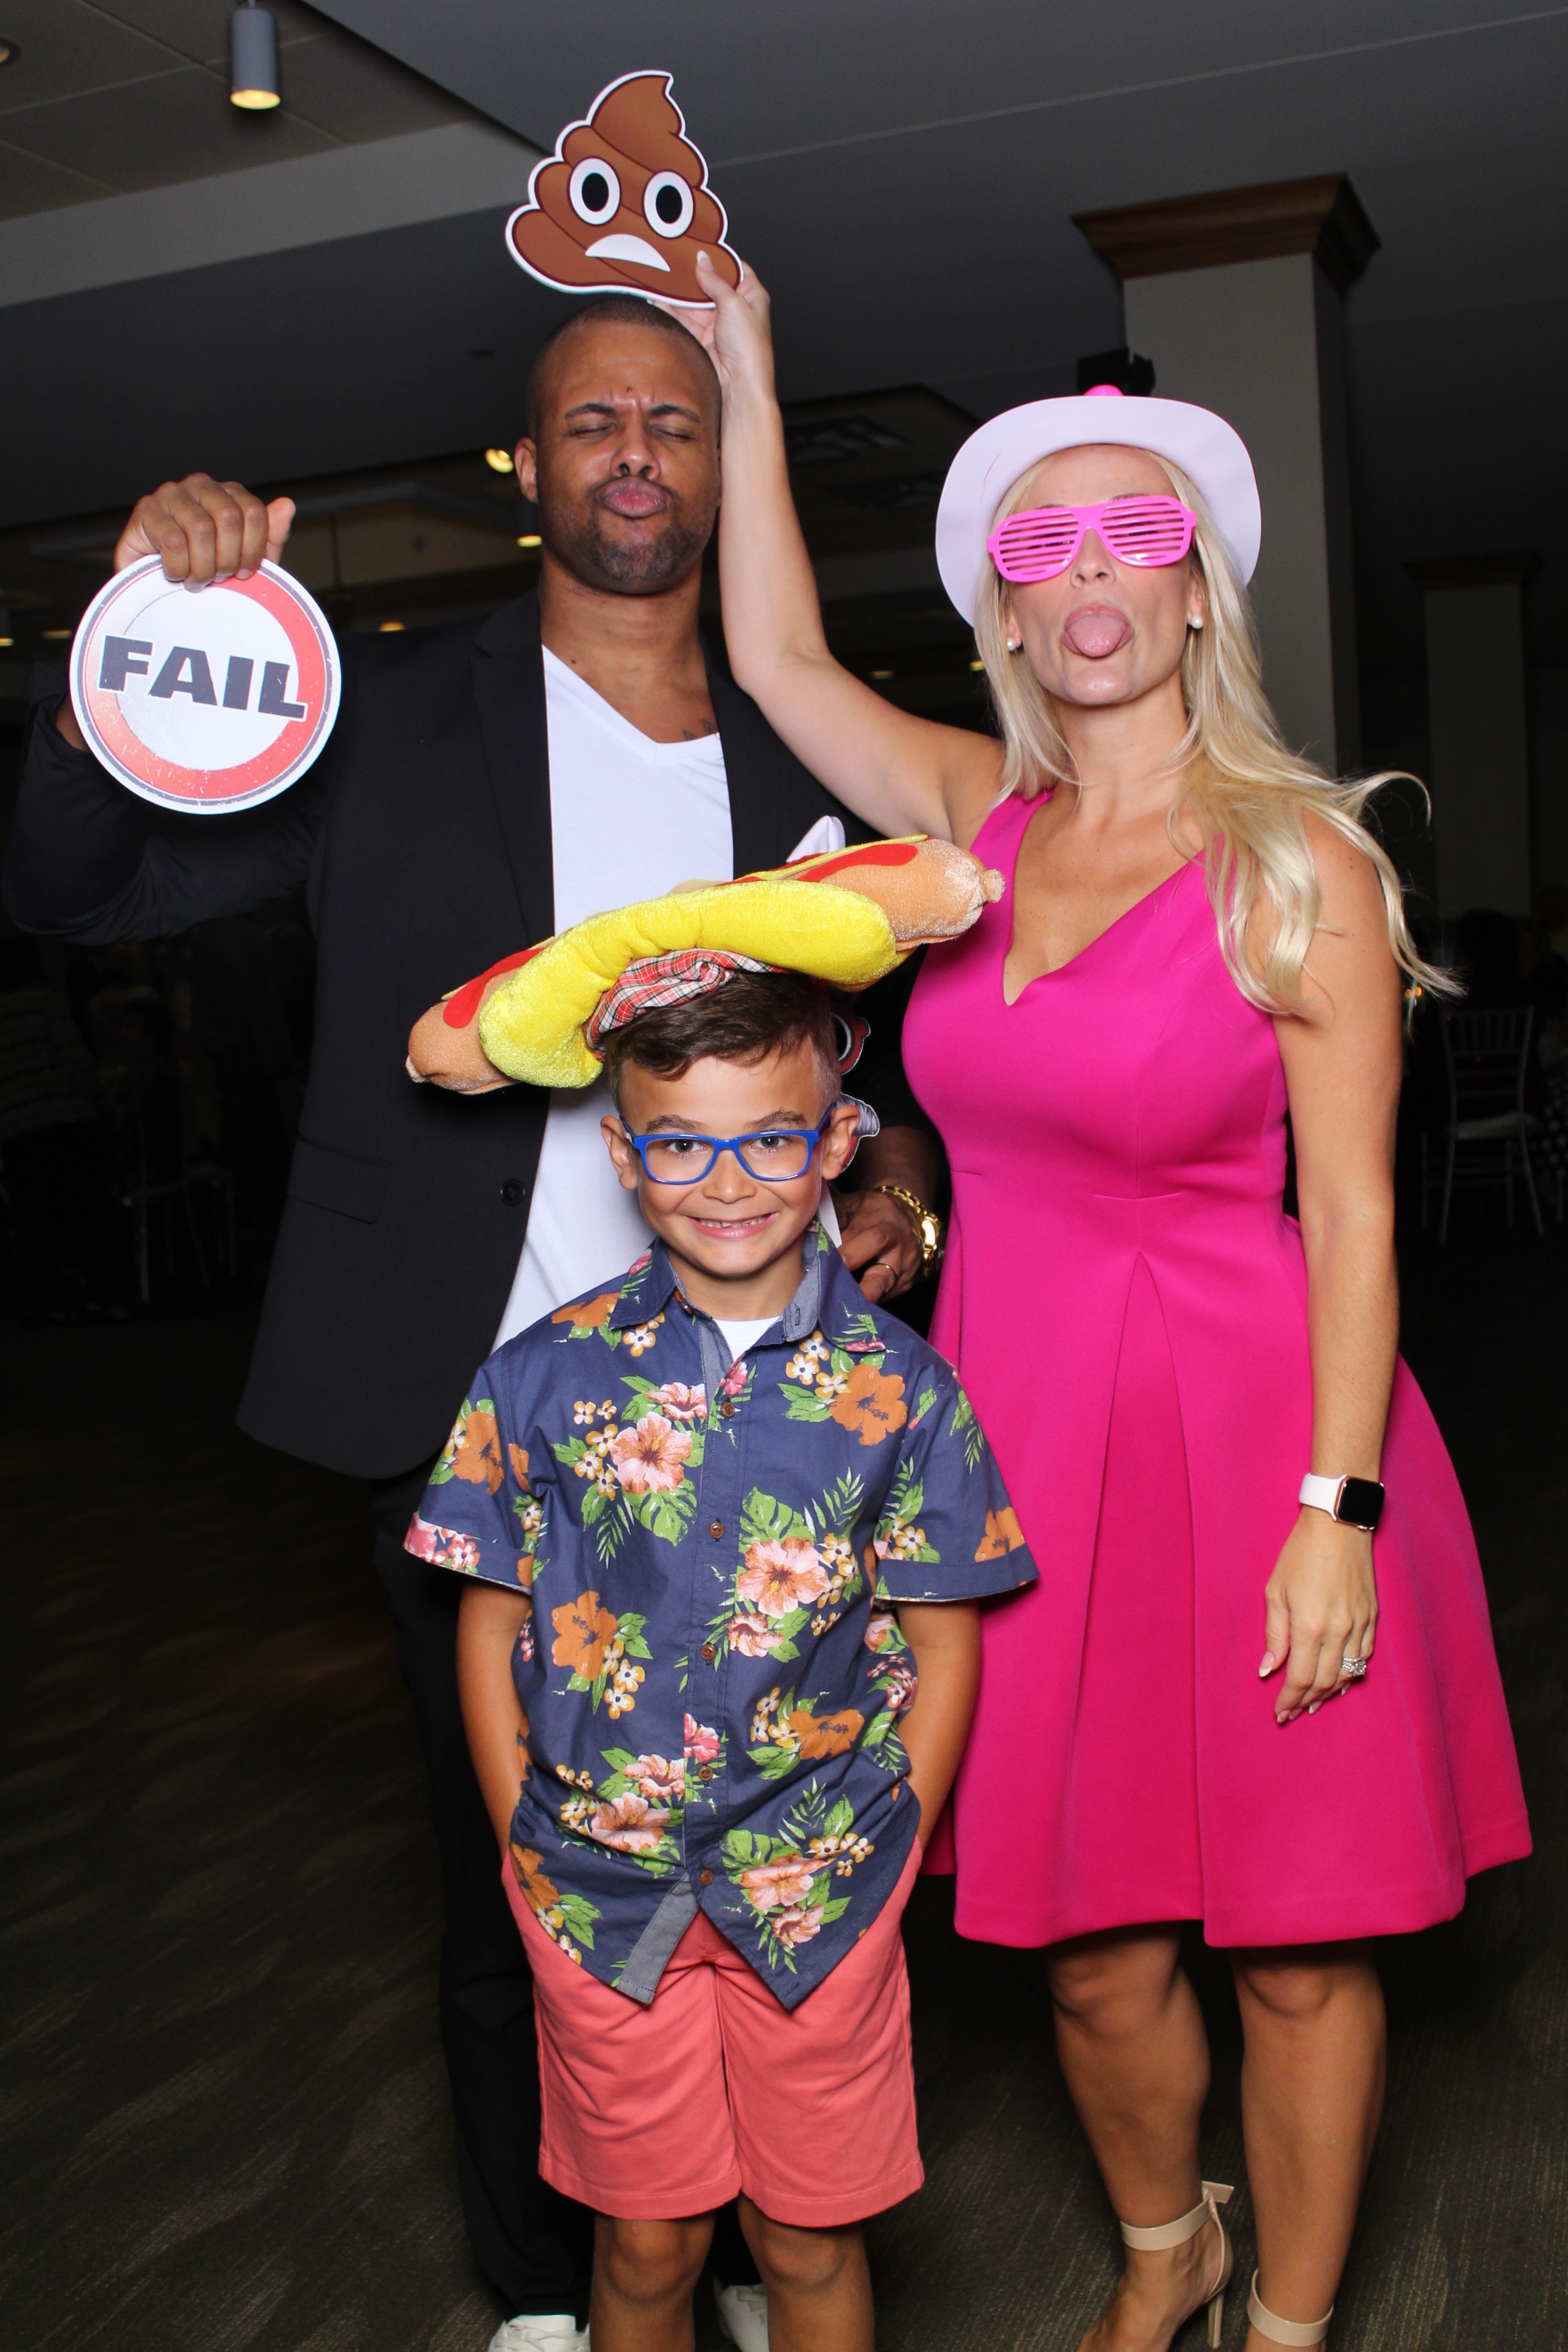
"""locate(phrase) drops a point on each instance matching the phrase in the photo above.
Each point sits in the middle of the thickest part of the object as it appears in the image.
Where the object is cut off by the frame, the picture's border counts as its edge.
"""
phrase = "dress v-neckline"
(1056, 972)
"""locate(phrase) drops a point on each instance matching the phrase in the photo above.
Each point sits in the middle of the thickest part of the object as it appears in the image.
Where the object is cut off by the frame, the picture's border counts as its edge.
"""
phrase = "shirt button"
(705, 1771)
(710, 1652)
(727, 1410)
(715, 1528)
(705, 1877)
(511, 1192)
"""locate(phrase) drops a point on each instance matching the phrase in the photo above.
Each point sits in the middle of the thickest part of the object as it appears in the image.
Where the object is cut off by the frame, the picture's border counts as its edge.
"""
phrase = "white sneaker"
(743, 2315)
(547, 2331)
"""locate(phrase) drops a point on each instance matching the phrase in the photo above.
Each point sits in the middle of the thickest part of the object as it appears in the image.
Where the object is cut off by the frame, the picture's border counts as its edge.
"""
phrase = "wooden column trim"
(1323, 216)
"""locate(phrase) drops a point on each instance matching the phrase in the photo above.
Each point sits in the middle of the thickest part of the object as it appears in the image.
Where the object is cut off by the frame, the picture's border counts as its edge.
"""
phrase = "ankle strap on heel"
(1176, 2233)
(1284, 2331)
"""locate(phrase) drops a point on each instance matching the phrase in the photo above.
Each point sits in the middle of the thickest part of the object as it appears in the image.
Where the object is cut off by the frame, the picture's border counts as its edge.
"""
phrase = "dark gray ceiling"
(108, 95)
(901, 173)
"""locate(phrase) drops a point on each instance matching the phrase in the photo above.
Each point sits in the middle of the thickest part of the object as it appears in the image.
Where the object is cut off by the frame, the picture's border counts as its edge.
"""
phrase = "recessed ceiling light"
(528, 539)
(498, 460)
(5, 641)
(56, 633)
(881, 673)
(9, 53)
(253, 58)
(390, 628)
(976, 665)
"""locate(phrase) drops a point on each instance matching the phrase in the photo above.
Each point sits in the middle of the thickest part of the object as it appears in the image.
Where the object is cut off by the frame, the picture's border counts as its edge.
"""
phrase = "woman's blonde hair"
(1246, 794)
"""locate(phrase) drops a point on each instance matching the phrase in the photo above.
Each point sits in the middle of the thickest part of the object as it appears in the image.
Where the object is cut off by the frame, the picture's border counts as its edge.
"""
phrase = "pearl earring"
(1015, 645)
(1197, 622)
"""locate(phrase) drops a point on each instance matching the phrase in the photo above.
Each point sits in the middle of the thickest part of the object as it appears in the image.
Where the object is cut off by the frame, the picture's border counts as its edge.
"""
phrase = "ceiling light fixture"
(53, 634)
(498, 460)
(528, 539)
(253, 58)
(390, 628)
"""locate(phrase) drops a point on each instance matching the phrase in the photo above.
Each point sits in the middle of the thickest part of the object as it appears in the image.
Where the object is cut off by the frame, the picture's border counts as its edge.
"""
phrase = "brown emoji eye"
(667, 205)
(594, 191)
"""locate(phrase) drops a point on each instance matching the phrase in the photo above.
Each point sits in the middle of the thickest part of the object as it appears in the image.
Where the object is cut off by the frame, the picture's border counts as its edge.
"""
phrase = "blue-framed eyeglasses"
(769, 1152)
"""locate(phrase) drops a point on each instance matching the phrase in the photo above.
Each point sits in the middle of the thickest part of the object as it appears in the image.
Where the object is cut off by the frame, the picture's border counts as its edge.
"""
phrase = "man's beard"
(635, 567)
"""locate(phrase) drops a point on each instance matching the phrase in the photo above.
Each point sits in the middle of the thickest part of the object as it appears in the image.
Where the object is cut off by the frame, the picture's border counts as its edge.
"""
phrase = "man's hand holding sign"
(204, 530)
(212, 705)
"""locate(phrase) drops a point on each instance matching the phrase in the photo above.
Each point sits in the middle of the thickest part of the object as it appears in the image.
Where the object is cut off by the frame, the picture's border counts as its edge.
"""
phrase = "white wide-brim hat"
(1208, 450)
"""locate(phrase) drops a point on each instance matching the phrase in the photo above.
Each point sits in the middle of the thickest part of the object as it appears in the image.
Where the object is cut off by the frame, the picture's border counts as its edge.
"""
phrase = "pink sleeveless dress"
(1126, 1303)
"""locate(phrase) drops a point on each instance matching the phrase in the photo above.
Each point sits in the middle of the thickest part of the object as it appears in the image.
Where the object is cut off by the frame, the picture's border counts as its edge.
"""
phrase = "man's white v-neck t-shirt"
(629, 818)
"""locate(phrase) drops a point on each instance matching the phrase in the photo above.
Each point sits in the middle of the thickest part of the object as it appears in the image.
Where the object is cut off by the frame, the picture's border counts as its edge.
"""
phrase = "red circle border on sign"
(249, 781)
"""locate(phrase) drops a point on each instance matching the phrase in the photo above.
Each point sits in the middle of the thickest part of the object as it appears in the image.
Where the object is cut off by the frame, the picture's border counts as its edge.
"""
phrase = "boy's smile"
(732, 1236)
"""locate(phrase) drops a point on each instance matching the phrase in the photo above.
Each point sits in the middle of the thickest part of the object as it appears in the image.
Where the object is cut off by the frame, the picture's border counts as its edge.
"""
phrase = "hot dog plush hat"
(845, 918)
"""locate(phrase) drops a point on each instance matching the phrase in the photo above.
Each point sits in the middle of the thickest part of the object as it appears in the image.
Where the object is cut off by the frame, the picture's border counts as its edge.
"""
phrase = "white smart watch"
(1354, 1502)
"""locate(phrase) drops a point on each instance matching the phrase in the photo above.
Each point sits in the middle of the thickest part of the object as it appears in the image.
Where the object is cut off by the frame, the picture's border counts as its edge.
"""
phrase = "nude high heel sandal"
(1283, 2331)
(1176, 2233)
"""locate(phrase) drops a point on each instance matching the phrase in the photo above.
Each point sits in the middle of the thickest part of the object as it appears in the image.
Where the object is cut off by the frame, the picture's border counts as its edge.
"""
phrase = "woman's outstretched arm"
(1342, 1060)
(899, 773)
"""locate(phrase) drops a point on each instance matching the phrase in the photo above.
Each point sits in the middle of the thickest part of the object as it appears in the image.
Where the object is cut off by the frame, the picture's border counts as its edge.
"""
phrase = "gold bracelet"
(928, 1225)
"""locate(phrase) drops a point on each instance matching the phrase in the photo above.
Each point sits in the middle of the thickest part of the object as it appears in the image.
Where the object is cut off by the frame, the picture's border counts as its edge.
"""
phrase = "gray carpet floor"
(222, 2120)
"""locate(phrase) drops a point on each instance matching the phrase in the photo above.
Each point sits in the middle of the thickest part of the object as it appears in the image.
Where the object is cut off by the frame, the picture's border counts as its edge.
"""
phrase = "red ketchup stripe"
(464, 1003)
(871, 852)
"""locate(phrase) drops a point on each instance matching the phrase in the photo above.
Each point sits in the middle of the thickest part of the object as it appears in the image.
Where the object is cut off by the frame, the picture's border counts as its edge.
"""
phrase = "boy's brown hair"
(753, 1014)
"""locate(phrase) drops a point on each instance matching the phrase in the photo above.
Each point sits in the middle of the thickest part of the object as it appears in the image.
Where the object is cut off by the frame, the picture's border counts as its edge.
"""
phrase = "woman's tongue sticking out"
(1096, 630)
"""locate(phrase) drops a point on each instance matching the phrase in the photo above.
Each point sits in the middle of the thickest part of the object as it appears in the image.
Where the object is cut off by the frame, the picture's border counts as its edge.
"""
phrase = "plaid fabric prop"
(654, 982)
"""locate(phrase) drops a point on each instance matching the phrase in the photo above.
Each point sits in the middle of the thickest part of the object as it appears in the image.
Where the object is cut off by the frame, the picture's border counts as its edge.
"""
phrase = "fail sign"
(206, 700)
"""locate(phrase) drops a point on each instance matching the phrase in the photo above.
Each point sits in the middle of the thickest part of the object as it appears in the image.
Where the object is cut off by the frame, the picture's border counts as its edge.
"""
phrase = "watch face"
(1360, 1503)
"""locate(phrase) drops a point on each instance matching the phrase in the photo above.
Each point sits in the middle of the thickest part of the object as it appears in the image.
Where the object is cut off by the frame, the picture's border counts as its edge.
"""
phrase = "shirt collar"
(652, 1283)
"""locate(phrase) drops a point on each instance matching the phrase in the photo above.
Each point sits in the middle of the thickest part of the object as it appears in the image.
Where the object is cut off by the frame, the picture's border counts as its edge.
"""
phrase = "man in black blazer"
(423, 836)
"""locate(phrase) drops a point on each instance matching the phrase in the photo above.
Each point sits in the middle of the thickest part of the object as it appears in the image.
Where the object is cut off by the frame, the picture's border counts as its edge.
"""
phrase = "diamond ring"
(1353, 1668)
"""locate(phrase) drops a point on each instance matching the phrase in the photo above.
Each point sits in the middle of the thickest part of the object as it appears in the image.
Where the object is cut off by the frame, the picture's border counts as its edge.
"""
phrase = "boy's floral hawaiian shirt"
(709, 1677)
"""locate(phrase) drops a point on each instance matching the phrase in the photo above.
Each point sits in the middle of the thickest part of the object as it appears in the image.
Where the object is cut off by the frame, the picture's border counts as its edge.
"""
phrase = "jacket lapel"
(754, 816)
(508, 688)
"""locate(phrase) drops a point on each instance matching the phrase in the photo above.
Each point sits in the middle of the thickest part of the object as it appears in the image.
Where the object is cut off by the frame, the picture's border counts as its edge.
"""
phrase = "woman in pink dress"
(1224, 1700)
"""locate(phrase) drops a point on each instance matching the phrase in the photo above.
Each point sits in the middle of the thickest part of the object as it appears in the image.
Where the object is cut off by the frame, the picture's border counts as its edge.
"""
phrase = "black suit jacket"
(422, 835)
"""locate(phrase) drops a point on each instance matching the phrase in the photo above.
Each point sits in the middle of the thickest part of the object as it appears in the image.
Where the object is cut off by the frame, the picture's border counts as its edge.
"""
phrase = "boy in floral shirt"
(729, 1527)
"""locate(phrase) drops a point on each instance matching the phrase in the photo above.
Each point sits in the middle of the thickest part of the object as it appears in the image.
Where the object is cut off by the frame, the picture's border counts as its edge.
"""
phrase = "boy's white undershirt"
(630, 819)
(739, 1337)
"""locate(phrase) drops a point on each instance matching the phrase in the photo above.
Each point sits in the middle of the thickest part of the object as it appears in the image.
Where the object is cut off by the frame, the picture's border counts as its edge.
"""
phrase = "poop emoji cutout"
(624, 204)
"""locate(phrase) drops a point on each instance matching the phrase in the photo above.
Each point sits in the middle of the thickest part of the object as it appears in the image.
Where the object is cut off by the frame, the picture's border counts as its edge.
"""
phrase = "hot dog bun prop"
(847, 918)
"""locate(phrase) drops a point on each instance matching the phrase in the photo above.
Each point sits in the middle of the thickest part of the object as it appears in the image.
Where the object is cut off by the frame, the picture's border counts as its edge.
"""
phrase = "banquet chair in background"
(1487, 1053)
(152, 1177)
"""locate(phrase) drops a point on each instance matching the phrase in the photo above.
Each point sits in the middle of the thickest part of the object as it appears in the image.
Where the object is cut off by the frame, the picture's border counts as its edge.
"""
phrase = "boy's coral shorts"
(715, 2088)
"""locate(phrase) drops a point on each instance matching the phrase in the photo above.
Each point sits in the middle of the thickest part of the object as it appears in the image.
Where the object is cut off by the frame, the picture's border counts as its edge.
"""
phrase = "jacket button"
(715, 1528)
(727, 1410)
(511, 1192)
(705, 1877)
(708, 1651)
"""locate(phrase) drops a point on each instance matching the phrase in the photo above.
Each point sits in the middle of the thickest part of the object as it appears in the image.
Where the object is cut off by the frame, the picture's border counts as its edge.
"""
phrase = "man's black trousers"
(534, 2245)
